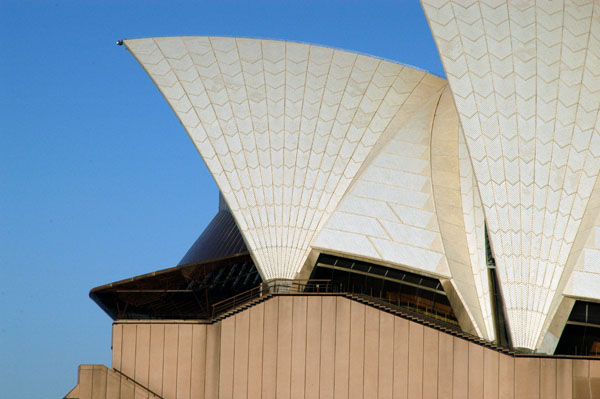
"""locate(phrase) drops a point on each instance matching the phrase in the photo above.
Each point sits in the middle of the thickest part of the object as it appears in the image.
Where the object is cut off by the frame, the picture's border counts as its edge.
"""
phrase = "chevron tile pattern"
(388, 214)
(283, 128)
(525, 76)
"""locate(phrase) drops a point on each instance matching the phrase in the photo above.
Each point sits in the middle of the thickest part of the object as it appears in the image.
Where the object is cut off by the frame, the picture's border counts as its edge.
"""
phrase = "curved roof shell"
(525, 79)
(316, 149)
(293, 133)
(283, 127)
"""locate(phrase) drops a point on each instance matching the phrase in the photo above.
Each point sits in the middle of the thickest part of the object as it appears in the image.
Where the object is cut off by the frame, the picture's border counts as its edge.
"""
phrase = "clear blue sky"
(98, 180)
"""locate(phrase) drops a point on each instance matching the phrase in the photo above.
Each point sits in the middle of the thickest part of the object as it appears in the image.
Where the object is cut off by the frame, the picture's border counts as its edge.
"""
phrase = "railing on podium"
(325, 287)
(276, 286)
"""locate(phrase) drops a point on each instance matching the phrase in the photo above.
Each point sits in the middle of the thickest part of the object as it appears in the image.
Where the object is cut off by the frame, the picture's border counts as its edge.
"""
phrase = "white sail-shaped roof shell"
(283, 128)
(316, 149)
(525, 76)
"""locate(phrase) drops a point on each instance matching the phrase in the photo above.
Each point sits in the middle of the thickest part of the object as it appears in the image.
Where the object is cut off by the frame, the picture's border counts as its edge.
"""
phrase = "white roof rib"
(283, 128)
(455, 214)
(525, 76)
(474, 221)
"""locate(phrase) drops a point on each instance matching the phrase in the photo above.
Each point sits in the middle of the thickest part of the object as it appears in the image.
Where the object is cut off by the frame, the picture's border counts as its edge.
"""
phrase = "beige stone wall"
(172, 360)
(333, 347)
(95, 381)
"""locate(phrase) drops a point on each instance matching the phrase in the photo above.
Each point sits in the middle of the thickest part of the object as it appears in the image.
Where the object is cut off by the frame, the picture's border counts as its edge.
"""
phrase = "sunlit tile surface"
(525, 76)
(283, 128)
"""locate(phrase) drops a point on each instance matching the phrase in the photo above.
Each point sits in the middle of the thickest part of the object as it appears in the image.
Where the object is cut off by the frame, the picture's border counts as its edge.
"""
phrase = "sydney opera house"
(381, 232)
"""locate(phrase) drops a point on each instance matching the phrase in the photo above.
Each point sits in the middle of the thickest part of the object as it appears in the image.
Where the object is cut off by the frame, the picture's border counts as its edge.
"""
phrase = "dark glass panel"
(579, 340)
(579, 312)
(360, 266)
(408, 290)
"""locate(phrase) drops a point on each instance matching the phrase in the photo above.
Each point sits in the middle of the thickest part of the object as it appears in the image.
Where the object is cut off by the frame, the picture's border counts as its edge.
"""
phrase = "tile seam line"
(243, 190)
(301, 113)
(540, 324)
(595, 130)
(260, 170)
(329, 135)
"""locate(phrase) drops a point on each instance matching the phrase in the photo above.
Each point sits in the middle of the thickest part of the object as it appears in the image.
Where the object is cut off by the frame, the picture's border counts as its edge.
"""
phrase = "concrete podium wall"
(96, 381)
(333, 347)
